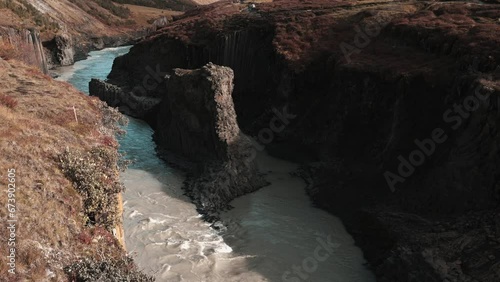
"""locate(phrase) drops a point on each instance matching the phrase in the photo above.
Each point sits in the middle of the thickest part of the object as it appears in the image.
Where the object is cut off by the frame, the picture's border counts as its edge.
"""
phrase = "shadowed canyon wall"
(247, 52)
(395, 111)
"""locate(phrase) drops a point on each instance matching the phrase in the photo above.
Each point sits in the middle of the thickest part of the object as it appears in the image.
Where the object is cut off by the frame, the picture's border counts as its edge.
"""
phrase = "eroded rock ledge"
(128, 102)
(197, 121)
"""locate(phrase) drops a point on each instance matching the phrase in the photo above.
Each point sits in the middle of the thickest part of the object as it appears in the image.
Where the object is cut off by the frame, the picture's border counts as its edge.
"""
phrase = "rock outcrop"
(29, 45)
(158, 24)
(394, 134)
(197, 120)
(128, 102)
(60, 50)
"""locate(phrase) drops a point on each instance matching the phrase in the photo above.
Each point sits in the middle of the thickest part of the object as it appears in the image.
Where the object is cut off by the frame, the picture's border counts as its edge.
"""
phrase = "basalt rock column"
(28, 45)
(197, 120)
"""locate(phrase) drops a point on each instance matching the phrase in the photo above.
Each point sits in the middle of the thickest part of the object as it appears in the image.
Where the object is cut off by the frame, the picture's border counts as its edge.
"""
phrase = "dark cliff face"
(396, 115)
(198, 113)
(247, 52)
(196, 120)
(65, 48)
(369, 110)
(127, 102)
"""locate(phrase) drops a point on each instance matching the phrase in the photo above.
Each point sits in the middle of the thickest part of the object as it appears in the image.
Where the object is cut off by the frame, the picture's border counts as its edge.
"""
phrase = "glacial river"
(272, 235)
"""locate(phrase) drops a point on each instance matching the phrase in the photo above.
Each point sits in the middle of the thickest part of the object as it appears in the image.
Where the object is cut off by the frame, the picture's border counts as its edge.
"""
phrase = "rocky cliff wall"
(247, 52)
(370, 111)
(196, 120)
(128, 102)
(390, 120)
(28, 44)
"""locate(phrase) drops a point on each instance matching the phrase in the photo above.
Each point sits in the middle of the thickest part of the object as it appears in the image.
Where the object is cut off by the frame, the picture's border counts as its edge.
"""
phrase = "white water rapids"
(274, 234)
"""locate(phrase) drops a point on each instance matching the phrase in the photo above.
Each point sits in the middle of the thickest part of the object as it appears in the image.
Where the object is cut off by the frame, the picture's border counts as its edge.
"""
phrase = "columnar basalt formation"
(28, 43)
(397, 116)
(197, 120)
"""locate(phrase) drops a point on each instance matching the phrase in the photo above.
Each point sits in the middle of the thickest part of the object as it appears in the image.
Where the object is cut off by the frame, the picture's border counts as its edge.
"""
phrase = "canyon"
(391, 108)
(390, 127)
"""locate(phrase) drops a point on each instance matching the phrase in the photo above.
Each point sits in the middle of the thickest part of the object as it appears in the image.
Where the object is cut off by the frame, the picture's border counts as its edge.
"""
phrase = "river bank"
(64, 212)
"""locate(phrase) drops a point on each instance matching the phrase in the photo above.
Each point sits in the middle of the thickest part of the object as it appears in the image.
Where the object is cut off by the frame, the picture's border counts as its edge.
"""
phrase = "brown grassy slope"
(51, 231)
(78, 17)
(143, 15)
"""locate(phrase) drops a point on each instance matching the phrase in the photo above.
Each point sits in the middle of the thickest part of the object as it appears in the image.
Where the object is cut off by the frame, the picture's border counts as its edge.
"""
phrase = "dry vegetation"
(55, 205)
(178, 5)
(144, 15)
(77, 17)
(7, 51)
(23, 9)
(310, 31)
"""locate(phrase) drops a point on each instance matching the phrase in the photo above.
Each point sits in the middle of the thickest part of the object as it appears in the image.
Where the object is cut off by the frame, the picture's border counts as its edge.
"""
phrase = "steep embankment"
(391, 106)
(59, 171)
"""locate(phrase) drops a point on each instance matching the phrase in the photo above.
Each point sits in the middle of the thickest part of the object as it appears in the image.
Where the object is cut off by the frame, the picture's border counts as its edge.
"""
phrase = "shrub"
(7, 101)
(89, 270)
(112, 119)
(94, 174)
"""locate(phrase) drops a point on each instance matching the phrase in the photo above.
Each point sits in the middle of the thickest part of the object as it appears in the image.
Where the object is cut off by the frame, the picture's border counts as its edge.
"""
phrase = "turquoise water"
(274, 234)
(137, 145)
(97, 65)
